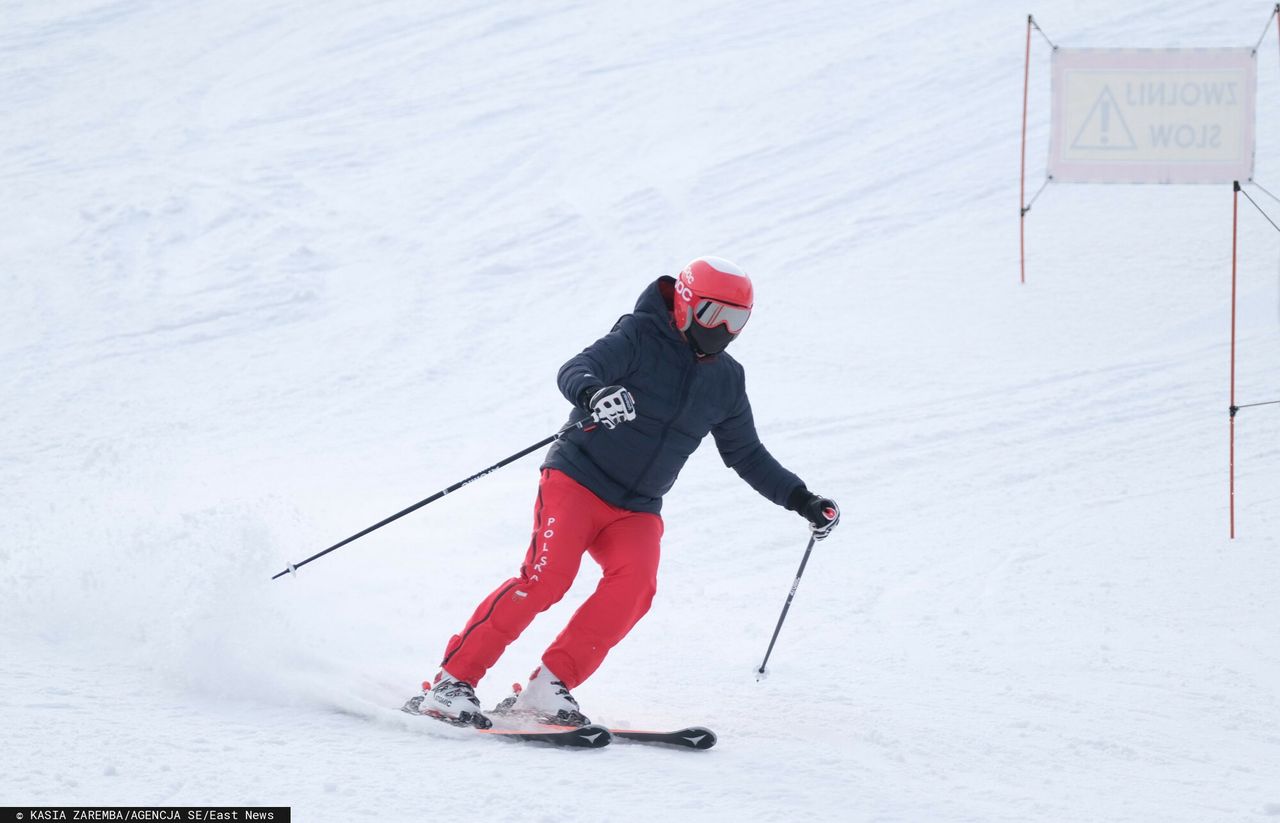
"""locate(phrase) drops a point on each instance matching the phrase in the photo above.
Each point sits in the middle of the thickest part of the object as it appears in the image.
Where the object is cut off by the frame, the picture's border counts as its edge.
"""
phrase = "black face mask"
(706, 341)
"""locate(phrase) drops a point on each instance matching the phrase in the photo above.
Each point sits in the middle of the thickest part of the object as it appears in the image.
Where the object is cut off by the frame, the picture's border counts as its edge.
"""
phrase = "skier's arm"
(742, 451)
(601, 364)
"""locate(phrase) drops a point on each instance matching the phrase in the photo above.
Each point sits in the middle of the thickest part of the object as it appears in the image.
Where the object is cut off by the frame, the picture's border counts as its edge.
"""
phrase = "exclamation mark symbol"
(1105, 120)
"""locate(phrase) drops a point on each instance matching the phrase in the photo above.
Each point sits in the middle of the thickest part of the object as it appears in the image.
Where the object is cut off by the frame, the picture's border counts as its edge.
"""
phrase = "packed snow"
(271, 272)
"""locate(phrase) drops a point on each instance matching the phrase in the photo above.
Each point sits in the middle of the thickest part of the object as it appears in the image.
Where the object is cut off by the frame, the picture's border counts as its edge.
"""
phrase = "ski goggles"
(712, 313)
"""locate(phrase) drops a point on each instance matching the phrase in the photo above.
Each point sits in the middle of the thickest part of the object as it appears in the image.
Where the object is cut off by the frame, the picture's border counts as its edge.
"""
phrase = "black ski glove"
(822, 512)
(584, 397)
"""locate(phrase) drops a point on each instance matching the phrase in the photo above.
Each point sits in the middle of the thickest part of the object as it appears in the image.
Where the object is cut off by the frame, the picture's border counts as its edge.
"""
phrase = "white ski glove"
(612, 405)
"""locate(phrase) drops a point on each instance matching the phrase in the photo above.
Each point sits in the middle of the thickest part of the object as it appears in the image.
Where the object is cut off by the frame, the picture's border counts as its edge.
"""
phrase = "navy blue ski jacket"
(679, 399)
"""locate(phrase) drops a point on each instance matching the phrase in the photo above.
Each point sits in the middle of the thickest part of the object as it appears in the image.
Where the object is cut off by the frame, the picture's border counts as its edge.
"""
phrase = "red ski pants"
(569, 521)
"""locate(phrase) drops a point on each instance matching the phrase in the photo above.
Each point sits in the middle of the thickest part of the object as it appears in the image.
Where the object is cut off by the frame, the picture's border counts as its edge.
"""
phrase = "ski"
(691, 737)
(582, 737)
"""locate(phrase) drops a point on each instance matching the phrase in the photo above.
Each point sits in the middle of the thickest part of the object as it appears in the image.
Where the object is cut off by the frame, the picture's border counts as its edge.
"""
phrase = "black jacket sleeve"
(601, 364)
(742, 451)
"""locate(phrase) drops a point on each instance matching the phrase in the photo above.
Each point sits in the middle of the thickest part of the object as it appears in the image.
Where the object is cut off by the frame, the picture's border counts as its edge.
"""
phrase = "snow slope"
(271, 272)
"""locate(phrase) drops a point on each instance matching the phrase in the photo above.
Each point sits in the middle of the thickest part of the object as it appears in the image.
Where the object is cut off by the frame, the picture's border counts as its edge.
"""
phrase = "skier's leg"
(564, 524)
(628, 550)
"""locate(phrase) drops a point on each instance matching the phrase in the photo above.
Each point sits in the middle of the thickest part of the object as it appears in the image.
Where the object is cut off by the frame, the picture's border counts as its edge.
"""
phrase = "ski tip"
(699, 737)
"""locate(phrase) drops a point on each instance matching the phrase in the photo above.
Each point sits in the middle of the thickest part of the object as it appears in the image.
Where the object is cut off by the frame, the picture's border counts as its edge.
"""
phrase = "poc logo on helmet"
(684, 283)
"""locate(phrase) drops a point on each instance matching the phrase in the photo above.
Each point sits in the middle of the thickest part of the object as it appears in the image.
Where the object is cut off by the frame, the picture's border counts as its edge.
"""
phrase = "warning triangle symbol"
(1105, 127)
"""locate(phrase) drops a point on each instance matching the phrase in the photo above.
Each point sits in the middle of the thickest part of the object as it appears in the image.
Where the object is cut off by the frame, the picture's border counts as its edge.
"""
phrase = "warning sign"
(1152, 115)
(1098, 132)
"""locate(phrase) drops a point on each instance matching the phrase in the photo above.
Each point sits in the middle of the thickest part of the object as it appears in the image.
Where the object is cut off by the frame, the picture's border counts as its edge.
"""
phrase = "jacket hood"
(654, 305)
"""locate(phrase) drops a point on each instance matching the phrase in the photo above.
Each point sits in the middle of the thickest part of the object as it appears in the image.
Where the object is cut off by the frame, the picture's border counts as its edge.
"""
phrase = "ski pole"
(585, 425)
(760, 672)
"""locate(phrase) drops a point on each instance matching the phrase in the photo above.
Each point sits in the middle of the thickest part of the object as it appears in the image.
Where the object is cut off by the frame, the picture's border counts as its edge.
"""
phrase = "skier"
(658, 382)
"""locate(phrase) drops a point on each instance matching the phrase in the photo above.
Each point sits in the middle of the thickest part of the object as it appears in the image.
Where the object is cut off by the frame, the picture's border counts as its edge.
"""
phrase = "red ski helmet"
(712, 303)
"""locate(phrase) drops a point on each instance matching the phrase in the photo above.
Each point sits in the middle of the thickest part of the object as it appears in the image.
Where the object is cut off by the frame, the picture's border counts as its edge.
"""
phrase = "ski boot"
(545, 699)
(448, 699)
